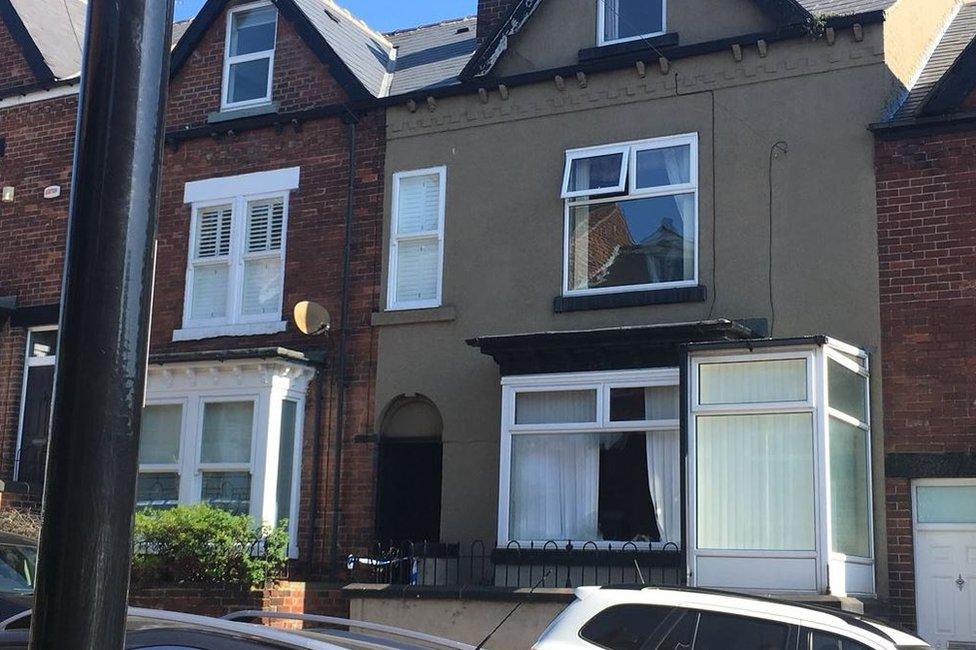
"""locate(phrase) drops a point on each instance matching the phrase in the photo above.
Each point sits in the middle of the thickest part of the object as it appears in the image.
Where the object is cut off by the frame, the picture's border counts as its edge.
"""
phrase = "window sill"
(240, 329)
(562, 304)
(626, 47)
(443, 314)
(228, 114)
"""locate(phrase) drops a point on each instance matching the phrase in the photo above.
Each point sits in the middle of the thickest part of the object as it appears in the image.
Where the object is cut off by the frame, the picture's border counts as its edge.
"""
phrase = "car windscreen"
(17, 567)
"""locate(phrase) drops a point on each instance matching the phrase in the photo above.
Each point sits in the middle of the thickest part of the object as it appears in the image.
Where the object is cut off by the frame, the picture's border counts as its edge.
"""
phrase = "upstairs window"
(629, 20)
(631, 216)
(249, 55)
(417, 239)
(235, 270)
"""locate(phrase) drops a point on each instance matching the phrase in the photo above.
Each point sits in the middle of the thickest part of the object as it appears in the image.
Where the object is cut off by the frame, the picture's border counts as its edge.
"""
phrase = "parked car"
(18, 564)
(652, 618)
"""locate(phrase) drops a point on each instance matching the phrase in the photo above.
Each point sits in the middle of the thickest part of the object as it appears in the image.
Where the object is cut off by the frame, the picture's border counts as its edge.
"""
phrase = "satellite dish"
(312, 318)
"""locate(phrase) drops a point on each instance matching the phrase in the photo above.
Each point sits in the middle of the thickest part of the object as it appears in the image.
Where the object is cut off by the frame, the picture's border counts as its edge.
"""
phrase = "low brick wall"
(218, 600)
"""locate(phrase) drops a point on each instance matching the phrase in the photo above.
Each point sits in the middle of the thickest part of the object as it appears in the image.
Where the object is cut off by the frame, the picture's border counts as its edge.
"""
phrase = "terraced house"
(602, 274)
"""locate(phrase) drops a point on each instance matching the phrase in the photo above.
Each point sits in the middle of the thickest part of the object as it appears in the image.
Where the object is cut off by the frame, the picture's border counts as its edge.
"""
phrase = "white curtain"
(227, 430)
(555, 482)
(664, 481)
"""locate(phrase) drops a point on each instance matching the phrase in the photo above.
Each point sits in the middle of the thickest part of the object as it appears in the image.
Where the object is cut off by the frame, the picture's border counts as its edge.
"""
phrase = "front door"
(945, 562)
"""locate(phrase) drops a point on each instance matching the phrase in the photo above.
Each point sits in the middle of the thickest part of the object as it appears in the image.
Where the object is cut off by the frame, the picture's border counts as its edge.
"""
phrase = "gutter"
(41, 87)
(921, 126)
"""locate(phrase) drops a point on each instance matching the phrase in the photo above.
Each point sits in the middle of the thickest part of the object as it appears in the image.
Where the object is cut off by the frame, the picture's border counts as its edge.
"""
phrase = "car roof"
(753, 605)
(19, 540)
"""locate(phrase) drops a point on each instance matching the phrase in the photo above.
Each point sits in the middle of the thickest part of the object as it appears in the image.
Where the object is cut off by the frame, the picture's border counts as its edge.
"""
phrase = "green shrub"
(200, 543)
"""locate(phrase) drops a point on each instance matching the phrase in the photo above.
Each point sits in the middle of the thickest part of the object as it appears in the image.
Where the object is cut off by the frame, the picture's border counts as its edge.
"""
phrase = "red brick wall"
(927, 253)
(490, 12)
(300, 80)
(15, 71)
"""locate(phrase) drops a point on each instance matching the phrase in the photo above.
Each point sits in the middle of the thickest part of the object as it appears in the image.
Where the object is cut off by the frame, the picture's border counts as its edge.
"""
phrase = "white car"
(653, 618)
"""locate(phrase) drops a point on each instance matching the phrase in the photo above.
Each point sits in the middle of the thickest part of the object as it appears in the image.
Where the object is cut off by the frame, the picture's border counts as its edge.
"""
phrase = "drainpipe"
(342, 381)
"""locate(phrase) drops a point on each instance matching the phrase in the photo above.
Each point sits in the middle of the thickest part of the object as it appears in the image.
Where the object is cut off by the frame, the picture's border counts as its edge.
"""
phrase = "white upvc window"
(591, 458)
(236, 261)
(631, 216)
(779, 478)
(417, 239)
(233, 441)
(619, 21)
(249, 55)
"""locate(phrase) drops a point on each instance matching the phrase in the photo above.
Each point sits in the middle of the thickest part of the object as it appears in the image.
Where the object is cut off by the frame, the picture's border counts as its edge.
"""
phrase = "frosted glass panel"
(946, 504)
(227, 432)
(209, 298)
(262, 287)
(416, 271)
(847, 391)
(159, 441)
(644, 403)
(753, 381)
(755, 482)
(555, 407)
(849, 498)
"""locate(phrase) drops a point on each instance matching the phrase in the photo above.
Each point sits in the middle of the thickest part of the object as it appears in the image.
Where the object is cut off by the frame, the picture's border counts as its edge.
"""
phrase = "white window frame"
(601, 40)
(602, 383)
(392, 304)
(225, 104)
(29, 362)
(829, 563)
(629, 173)
(188, 386)
(236, 191)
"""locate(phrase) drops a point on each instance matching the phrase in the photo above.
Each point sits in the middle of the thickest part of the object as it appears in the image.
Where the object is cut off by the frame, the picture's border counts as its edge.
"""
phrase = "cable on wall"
(779, 149)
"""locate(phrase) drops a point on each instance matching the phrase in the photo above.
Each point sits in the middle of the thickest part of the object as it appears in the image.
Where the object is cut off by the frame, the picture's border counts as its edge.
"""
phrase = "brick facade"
(490, 13)
(927, 253)
(39, 147)
(16, 72)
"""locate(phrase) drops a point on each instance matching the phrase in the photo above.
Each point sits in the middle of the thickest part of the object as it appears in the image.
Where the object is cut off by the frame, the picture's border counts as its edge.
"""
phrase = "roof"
(432, 55)
(956, 37)
(845, 7)
(179, 28)
(54, 31)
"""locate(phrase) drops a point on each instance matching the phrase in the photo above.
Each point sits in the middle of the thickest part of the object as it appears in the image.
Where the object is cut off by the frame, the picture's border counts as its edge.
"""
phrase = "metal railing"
(545, 564)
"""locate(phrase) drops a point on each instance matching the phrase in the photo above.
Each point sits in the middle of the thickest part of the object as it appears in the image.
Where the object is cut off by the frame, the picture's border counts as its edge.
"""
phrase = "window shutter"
(213, 232)
(262, 286)
(419, 204)
(209, 298)
(265, 222)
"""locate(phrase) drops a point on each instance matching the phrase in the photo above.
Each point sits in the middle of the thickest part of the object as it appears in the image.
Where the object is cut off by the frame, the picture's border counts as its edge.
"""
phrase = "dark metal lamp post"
(86, 538)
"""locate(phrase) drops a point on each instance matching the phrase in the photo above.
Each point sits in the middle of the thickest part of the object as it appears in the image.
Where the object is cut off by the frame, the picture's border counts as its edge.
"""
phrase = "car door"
(709, 630)
(820, 640)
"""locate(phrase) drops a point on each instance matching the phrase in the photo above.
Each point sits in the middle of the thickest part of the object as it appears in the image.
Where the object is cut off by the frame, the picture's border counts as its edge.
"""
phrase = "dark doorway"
(37, 417)
(408, 504)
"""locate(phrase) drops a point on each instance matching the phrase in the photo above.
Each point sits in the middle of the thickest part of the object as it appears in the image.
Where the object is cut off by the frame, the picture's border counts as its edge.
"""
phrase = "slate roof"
(957, 36)
(845, 7)
(432, 55)
(57, 29)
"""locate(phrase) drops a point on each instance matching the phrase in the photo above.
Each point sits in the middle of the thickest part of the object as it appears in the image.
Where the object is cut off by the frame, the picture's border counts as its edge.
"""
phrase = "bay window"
(228, 434)
(780, 475)
(629, 20)
(631, 216)
(591, 457)
(235, 270)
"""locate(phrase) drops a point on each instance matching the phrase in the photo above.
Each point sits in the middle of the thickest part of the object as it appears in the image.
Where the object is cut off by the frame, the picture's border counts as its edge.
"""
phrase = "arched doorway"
(409, 481)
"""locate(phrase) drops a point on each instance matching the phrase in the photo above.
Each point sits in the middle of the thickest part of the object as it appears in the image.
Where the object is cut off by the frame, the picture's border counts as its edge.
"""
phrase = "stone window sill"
(240, 329)
(443, 314)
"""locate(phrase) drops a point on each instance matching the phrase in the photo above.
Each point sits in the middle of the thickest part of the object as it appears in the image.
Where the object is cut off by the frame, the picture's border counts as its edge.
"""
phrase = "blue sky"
(383, 15)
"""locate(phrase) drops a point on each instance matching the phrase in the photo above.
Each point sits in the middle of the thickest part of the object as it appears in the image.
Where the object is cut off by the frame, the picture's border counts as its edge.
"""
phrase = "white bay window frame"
(225, 103)
(626, 190)
(600, 382)
(265, 384)
(397, 238)
(237, 192)
(818, 570)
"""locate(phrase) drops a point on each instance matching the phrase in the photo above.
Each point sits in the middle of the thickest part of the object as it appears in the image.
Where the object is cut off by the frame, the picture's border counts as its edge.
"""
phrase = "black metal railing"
(544, 564)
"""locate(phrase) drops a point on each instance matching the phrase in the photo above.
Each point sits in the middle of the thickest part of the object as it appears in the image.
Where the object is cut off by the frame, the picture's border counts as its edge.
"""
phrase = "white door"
(945, 562)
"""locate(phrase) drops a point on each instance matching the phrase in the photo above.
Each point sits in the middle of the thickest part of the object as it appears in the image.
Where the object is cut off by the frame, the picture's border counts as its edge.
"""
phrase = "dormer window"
(629, 20)
(249, 55)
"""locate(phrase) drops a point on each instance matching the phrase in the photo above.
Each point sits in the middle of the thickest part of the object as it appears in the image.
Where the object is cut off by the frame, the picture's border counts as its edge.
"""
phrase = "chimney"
(490, 14)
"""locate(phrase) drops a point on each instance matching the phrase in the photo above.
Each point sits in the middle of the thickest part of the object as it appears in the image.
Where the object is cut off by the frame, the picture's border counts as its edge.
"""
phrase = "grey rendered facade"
(786, 231)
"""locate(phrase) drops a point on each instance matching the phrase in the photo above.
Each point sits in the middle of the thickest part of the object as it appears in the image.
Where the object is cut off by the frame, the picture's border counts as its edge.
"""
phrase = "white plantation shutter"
(417, 239)
(419, 204)
(213, 232)
(261, 293)
(211, 274)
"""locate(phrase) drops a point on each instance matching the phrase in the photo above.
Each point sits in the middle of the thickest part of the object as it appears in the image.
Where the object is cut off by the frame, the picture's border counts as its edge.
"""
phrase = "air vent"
(463, 30)
(331, 15)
